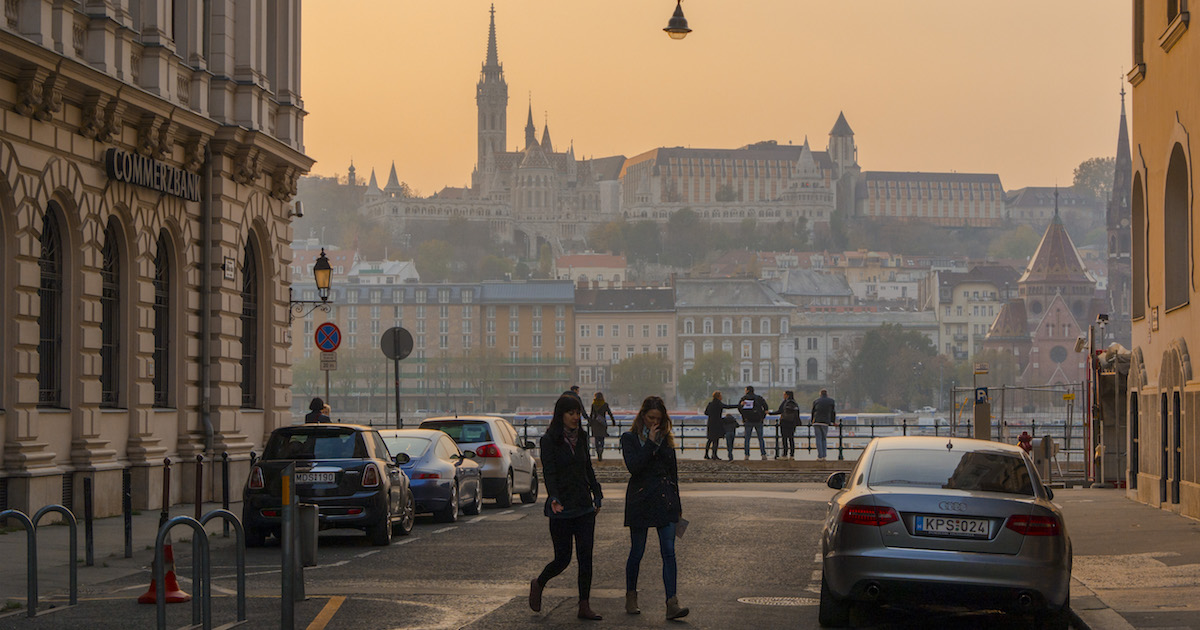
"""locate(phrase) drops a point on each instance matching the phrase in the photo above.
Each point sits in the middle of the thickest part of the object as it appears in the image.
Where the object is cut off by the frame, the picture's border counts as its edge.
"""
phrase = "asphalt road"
(749, 560)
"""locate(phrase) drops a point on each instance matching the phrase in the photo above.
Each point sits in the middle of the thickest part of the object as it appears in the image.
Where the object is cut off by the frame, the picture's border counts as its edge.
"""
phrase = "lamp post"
(322, 275)
(677, 26)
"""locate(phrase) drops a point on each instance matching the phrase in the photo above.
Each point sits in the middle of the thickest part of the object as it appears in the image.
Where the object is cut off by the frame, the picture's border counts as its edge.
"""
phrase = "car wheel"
(256, 537)
(505, 498)
(380, 534)
(532, 495)
(408, 515)
(476, 506)
(833, 612)
(450, 513)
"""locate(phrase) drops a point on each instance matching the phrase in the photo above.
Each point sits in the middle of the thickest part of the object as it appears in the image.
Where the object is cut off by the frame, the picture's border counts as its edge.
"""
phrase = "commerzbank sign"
(151, 173)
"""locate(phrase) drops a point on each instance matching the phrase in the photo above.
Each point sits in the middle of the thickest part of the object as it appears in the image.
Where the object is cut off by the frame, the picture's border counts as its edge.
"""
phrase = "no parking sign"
(328, 337)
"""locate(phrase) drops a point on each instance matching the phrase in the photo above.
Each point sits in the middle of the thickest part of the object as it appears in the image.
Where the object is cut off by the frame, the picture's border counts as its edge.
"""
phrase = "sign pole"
(399, 420)
(327, 399)
(396, 344)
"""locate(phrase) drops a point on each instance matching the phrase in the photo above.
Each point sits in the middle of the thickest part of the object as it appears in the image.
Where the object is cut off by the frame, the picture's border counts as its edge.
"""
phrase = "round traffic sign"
(397, 343)
(328, 337)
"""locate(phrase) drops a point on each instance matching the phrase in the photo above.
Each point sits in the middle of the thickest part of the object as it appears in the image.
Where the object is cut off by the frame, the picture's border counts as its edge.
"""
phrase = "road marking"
(405, 541)
(327, 613)
(507, 512)
(367, 553)
(444, 529)
(478, 518)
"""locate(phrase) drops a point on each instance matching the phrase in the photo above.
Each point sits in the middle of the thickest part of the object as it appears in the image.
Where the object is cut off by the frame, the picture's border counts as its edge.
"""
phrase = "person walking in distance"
(789, 419)
(824, 414)
(573, 498)
(651, 499)
(754, 410)
(573, 392)
(596, 425)
(716, 425)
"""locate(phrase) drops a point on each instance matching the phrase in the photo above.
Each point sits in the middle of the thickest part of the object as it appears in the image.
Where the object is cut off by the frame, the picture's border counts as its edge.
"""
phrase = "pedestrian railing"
(201, 568)
(31, 561)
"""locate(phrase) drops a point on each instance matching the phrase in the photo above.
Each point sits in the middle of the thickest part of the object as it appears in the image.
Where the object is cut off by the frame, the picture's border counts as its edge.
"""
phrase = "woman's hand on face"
(555, 506)
(656, 433)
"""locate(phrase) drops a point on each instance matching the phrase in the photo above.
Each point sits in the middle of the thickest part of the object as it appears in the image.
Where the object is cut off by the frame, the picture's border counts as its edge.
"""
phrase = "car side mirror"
(402, 459)
(1049, 493)
(529, 445)
(837, 480)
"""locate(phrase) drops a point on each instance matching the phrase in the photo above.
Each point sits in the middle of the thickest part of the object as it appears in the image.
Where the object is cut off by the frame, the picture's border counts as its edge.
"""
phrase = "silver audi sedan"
(939, 521)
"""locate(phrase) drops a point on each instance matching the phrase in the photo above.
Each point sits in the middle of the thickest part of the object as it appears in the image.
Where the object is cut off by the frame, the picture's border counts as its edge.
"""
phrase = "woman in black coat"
(573, 497)
(596, 423)
(716, 424)
(651, 499)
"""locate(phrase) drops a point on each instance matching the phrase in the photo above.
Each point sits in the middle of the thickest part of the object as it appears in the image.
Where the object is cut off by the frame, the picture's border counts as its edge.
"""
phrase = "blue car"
(442, 477)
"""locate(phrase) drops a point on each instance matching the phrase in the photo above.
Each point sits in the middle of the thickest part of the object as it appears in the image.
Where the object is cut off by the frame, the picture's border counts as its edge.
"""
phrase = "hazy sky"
(1023, 88)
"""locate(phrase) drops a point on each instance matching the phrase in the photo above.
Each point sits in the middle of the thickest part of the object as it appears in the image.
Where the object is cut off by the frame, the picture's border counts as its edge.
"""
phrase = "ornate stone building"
(150, 152)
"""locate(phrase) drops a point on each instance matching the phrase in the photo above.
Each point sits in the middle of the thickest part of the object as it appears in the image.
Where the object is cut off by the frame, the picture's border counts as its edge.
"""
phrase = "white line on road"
(444, 529)
(478, 518)
(367, 553)
(507, 512)
(405, 541)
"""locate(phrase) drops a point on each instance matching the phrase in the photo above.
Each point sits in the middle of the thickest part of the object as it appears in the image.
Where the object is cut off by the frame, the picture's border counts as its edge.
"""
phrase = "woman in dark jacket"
(316, 412)
(573, 497)
(596, 425)
(651, 499)
(716, 424)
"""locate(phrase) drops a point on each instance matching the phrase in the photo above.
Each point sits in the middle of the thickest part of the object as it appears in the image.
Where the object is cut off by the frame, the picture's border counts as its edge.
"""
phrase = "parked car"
(506, 460)
(928, 520)
(927, 410)
(346, 470)
(444, 477)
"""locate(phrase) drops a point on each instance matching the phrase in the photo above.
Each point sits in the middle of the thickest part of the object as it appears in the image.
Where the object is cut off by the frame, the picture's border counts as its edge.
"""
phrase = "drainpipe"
(206, 300)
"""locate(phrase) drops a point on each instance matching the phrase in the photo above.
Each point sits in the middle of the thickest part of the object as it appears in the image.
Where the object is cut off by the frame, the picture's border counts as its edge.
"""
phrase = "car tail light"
(427, 475)
(370, 476)
(487, 450)
(869, 515)
(270, 513)
(354, 511)
(1033, 525)
(256, 478)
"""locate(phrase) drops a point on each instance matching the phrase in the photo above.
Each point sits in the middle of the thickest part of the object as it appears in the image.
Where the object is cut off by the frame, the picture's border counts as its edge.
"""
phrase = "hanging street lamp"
(677, 26)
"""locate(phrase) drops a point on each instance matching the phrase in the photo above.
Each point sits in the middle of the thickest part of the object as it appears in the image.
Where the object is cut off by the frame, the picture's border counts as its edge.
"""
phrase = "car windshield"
(316, 444)
(462, 432)
(414, 447)
(988, 471)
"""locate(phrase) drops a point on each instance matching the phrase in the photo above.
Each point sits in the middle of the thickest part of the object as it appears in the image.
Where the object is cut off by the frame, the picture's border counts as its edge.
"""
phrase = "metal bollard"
(164, 516)
(841, 445)
(31, 594)
(904, 425)
(199, 485)
(225, 489)
(73, 552)
(127, 509)
(89, 546)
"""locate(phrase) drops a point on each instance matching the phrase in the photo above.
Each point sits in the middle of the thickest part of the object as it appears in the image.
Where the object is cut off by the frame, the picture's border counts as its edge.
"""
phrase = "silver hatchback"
(924, 521)
(506, 460)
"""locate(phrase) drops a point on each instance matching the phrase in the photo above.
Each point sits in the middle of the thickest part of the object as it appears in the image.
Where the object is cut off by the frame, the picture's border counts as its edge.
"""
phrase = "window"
(491, 311)
(746, 326)
(1176, 248)
(585, 330)
(537, 341)
(708, 326)
(727, 326)
(599, 353)
(560, 311)
(812, 343)
(250, 323)
(422, 296)
(1137, 206)
(513, 341)
(616, 330)
(599, 330)
(629, 331)
(708, 346)
(110, 318)
(811, 367)
(764, 350)
(443, 311)
(162, 322)
(747, 350)
(661, 349)
(662, 330)
(50, 324)
(585, 353)
(645, 330)
(688, 327)
(689, 350)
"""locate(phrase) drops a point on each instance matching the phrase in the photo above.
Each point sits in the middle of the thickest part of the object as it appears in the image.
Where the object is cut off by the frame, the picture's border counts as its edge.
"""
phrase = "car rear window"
(462, 432)
(987, 471)
(414, 447)
(317, 444)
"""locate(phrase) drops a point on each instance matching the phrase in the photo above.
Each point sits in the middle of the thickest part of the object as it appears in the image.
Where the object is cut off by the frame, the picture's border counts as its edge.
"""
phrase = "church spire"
(491, 101)
(546, 145)
(493, 58)
(530, 130)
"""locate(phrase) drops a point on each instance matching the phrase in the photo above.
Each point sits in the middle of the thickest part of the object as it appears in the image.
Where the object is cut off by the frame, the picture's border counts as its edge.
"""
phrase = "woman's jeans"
(637, 547)
(583, 530)
(730, 435)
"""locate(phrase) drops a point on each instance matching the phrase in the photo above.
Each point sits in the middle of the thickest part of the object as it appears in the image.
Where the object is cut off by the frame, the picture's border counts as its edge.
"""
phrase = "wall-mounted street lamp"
(677, 26)
(323, 276)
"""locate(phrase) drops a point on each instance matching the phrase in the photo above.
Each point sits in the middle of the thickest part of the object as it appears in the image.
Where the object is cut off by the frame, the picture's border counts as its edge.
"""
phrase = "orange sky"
(1023, 88)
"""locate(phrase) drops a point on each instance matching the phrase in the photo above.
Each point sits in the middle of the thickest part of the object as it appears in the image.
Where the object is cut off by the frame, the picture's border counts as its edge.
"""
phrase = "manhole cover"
(778, 601)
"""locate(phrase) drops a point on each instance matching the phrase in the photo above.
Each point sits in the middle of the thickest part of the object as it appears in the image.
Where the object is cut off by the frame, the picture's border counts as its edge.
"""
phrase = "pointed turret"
(1120, 270)
(373, 191)
(547, 146)
(493, 57)
(393, 187)
(1056, 260)
(841, 127)
(842, 149)
(351, 175)
(530, 130)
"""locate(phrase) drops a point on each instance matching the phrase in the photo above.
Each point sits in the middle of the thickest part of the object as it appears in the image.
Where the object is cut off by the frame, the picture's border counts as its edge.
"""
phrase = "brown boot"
(631, 606)
(586, 612)
(674, 611)
(535, 595)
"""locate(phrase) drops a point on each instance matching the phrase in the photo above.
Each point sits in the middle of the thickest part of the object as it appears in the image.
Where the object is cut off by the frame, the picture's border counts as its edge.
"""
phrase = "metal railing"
(31, 561)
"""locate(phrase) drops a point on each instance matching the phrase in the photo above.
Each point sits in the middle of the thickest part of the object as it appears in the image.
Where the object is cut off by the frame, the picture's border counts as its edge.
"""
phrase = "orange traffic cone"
(174, 594)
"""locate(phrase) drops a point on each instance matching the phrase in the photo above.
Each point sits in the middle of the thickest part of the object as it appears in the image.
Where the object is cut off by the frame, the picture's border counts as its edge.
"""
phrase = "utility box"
(1045, 449)
(983, 421)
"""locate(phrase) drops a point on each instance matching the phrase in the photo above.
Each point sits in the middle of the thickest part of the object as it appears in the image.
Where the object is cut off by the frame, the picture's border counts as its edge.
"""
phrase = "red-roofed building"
(588, 268)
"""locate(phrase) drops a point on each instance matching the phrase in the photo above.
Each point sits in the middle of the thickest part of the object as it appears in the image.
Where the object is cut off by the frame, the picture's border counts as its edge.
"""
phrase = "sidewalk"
(1136, 566)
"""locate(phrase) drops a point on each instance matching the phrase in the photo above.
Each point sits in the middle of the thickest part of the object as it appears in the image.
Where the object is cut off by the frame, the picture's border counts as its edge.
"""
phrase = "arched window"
(250, 293)
(783, 325)
(50, 324)
(1176, 254)
(727, 326)
(812, 369)
(688, 326)
(708, 326)
(764, 350)
(689, 350)
(1137, 206)
(745, 325)
(747, 349)
(110, 318)
(162, 322)
(764, 326)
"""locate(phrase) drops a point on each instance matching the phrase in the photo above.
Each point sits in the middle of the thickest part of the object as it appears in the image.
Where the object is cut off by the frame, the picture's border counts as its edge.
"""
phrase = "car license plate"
(310, 477)
(929, 525)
